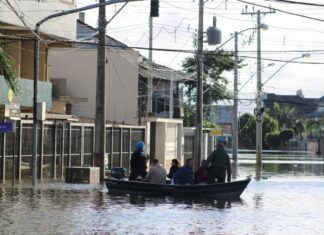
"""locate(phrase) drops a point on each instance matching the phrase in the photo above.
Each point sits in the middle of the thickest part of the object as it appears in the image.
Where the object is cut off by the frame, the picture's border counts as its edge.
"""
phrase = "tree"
(214, 85)
(286, 135)
(247, 131)
(7, 70)
(209, 124)
(285, 115)
(272, 140)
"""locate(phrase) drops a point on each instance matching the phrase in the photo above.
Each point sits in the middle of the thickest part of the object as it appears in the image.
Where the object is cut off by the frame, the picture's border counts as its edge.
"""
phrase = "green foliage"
(269, 124)
(248, 127)
(285, 115)
(286, 135)
(299, 128)
(214, 85)
(7, 70)
(208, 124)
(189, 118)
(247, 131)
(272, 140)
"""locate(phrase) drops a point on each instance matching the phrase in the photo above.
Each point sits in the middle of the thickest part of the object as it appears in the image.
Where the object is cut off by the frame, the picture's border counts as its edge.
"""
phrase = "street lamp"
(269, 65)
(307, 55)
(258, 113)
(235, 102)
(235, 105)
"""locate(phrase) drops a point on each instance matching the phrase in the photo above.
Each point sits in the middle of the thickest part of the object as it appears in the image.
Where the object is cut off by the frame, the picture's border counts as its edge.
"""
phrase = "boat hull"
(227, 191)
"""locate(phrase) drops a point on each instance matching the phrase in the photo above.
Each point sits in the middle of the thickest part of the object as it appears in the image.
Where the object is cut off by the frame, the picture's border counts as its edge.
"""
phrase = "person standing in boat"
(174, 167)
(184, 175)
(219, 164)
(157, 174)
(138, 162)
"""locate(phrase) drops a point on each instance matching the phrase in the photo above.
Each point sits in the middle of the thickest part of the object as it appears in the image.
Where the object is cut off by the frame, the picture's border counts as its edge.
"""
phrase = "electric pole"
(149, 107)
(200, 72)
(100, 120)
(235, 118)
(259, 110)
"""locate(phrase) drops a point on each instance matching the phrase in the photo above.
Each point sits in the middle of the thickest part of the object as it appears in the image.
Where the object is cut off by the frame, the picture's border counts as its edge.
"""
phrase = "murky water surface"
(289, 200)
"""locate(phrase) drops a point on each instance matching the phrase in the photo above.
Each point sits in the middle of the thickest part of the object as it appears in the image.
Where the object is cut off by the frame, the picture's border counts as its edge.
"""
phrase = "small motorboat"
(224, 191)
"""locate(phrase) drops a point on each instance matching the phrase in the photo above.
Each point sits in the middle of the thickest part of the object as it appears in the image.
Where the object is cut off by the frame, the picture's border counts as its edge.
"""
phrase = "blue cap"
(221, 139)
(140, 145)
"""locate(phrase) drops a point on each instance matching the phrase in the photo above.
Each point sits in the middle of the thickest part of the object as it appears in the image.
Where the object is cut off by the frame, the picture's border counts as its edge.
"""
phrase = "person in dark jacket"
(138, 162)
(220, 164)
(174, 167)
(184, 175)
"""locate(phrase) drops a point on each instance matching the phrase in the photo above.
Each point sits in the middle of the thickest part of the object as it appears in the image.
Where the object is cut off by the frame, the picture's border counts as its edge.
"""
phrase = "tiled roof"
(87, 33)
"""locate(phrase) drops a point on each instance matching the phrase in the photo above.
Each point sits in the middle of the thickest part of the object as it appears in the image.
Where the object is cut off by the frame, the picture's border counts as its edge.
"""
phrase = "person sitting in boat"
(156, 174)
(184, 175)
(201, 173)
(138, 162)
(175, 164)
(220, 163)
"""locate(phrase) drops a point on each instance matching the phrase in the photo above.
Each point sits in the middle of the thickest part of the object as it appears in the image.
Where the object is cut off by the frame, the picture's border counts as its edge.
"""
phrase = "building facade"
(74, 74)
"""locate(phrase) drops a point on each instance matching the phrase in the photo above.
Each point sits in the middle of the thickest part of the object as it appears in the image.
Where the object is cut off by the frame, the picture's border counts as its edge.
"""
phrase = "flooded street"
(288, 200)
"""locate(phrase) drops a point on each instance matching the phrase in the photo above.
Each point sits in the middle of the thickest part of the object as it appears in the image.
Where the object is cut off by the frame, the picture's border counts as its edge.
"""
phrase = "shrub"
(272, 140)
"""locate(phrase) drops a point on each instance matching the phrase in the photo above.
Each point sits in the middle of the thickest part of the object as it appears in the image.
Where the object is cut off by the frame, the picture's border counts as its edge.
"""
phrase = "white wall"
(79, 67)
(34, 10)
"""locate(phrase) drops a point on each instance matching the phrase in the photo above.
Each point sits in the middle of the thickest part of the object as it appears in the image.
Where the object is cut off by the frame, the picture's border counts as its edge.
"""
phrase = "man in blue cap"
(219, 162)
(138, 162)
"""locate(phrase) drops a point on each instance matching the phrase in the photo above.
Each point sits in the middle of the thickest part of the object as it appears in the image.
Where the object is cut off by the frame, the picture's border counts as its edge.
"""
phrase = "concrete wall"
(168, 140)
(34, 10)
(23, 55)
(79, 67)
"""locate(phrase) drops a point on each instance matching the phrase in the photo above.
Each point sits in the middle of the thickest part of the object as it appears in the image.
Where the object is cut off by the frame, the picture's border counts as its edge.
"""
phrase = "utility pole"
(100, 120)
(259, 110)
(149, 107)
(199, 111)
(235, 118)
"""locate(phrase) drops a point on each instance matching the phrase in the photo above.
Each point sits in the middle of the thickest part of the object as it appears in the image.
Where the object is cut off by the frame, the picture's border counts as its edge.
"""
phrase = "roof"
(162, 72)
(316, 114)
(302, 105)
(320, 100)
(88, 33)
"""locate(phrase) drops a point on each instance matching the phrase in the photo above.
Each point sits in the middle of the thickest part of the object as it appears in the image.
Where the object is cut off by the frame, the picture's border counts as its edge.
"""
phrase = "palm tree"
(285, 115)
(7, 70)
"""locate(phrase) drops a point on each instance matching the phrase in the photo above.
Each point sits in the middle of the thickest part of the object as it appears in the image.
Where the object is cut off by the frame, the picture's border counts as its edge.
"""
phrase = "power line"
(282, 11)
(294, 2)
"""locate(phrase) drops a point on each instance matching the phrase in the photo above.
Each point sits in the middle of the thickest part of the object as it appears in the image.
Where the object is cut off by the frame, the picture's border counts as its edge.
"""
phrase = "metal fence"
(62, 144)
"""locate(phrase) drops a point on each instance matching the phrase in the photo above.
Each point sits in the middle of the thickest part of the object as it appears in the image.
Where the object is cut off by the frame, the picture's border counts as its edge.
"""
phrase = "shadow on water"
(149, 200)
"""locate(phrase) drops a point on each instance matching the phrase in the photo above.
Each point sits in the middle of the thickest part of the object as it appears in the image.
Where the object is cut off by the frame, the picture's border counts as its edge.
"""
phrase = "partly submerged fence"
(62, 144)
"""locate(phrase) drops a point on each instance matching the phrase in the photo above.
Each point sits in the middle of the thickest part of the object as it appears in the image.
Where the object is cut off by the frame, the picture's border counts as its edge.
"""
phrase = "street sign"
(215, 132)
(14, 111)
(7, 127)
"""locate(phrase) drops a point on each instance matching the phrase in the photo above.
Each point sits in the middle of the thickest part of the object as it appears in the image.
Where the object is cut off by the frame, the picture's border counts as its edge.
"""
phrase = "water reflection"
(143, 200)
(281, 165)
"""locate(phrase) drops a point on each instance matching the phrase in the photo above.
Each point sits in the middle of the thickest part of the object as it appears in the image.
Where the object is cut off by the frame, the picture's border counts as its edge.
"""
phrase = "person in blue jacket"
(184, 175)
